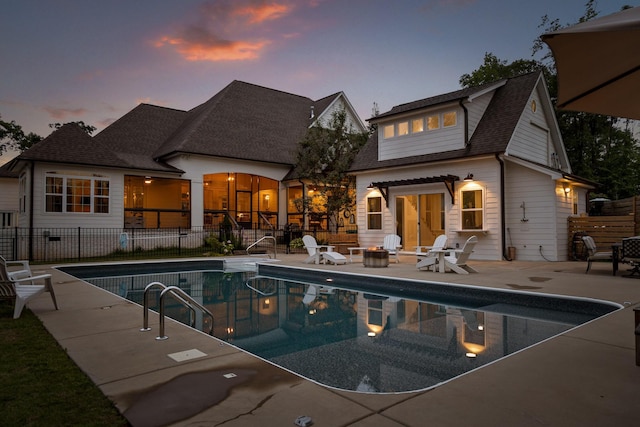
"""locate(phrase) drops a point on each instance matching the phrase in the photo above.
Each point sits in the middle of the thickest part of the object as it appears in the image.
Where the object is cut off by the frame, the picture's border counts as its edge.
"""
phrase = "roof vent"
(312, 113)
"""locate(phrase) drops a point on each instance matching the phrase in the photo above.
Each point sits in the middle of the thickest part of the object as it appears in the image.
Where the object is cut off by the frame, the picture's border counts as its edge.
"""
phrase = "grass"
(40, 385)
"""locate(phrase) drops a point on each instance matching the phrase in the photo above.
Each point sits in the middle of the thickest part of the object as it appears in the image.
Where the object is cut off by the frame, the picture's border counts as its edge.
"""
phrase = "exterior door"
(420, 219)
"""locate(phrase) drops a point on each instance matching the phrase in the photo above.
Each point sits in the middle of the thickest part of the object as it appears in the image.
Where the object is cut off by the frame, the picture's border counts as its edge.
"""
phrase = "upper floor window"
(472, 210)
(403, 128)
(76, 194)
(433, 122)
(388, 131)
(374, 213)
(449, 119)
(417, 125)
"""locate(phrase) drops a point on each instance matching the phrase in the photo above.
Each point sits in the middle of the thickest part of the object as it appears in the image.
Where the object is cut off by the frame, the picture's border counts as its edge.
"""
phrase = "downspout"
(30, 257)
(466, 123)
(503, 222)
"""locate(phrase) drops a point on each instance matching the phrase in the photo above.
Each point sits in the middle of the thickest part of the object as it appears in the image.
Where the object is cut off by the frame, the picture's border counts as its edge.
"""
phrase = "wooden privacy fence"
(605, 230)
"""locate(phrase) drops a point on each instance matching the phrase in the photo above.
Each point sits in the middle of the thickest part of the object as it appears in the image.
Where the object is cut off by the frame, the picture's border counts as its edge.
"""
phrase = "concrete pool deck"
(584, 377)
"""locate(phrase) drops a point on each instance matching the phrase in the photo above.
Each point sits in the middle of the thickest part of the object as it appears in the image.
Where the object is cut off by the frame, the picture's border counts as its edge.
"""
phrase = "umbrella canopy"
(598, 64)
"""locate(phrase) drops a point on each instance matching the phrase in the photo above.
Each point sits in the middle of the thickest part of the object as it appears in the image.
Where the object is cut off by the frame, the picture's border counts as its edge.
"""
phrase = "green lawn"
(40, 385)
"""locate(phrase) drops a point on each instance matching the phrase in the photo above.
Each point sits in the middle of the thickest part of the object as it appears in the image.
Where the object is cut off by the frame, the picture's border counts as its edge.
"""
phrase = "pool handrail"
(275, 244)
(179, 295)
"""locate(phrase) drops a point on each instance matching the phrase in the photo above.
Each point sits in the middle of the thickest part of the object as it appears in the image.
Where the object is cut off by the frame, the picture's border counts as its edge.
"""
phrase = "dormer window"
(433, 122)
(449, 119)
(417, 125)
(388, 131)
(403, 128)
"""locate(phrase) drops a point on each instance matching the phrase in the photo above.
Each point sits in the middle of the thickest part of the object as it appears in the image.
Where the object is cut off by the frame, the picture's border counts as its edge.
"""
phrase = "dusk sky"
(93, 61)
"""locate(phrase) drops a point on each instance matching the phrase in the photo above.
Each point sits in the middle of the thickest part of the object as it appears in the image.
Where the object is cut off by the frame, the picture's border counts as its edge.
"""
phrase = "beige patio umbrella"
(598, 65)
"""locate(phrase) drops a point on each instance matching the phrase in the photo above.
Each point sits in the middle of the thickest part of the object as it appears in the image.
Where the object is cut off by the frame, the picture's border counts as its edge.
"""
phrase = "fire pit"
(375, 257)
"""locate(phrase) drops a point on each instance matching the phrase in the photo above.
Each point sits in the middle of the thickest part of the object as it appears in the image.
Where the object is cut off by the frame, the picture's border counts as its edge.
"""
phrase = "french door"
(420, 219)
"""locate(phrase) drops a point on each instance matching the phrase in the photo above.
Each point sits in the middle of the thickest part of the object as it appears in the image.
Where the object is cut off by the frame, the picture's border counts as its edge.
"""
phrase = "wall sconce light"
(147, 180)
(468, 178)
(567, 189)
(267, 197)
(370, 187)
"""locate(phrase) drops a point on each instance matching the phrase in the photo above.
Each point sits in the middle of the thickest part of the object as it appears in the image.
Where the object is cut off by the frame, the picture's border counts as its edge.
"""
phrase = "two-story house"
(487, 161)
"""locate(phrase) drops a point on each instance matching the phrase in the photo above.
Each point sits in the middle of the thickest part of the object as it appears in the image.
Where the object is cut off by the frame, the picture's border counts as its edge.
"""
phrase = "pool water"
(359, 339)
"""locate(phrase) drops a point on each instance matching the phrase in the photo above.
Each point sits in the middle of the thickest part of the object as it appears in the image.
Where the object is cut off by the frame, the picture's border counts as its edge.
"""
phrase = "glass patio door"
(420, 219)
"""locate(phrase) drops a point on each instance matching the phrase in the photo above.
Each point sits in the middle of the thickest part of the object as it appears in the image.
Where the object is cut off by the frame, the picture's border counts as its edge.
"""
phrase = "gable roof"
(246, 121)
(242, 121)
(491, 136)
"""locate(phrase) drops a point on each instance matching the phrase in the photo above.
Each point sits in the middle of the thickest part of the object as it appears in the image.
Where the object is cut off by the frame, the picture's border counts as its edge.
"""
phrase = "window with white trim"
(472, 209)
(388, 131)
(433, 122)
(417, 125)
(76, 194)
(449, 119)
(403, 128)
(374, 213)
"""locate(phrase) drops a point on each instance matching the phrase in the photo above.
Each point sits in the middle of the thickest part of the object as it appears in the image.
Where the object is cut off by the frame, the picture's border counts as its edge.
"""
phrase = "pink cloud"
(227, 30)
(62, 113)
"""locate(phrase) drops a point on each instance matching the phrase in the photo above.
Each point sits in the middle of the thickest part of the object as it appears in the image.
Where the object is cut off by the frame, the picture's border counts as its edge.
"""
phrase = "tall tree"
(322, 160)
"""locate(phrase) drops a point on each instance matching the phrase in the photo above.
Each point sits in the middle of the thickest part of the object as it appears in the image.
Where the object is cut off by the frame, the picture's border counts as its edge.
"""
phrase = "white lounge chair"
(594, 255)
(459, 263)
(392, 244)
(22, 282)
(430, 258)
(321, 253)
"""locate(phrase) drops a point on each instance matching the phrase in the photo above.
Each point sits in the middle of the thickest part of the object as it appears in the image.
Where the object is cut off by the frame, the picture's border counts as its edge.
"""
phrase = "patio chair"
(631, 254)
(392, 245)
(321, 253)
(23, 285)
(594, 255)
(459, 263)
(429, 258)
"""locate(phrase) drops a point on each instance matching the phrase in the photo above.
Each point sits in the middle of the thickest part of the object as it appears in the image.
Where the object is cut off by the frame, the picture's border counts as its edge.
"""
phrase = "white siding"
(536, 214)
(486, 175)
(8, 194)
(115, 217)
(426, 142)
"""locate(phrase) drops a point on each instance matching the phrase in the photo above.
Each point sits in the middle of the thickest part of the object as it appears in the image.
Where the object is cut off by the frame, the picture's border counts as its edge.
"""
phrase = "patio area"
(586, 376)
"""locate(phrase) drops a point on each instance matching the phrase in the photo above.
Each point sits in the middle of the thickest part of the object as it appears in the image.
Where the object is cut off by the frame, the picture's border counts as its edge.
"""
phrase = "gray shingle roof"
(492, 135)
(245, 121)
(242, 121)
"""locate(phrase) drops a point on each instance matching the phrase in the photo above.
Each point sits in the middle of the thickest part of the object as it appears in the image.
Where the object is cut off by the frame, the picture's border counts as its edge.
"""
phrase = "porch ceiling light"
(468, 178)
(147, 180)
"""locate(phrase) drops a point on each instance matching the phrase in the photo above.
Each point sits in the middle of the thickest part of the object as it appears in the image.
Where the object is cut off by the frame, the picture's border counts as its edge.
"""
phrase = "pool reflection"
(344, 338)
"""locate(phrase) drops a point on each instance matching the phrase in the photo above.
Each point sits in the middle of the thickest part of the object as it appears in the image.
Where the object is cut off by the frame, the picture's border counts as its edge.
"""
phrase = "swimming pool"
(351, 332)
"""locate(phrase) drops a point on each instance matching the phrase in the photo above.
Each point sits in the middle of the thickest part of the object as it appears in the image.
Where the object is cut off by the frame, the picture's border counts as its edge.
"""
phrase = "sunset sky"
(95, 60)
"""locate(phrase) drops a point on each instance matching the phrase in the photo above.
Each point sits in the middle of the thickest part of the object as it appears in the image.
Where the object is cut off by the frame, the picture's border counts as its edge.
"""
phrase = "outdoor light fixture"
(567, 189)
(147, 180)
(370, 187)
(371, 334)
(471, 355)
(468, 178)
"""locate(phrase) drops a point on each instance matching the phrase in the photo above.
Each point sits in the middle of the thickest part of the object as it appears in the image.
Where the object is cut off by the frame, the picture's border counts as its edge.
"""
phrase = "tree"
(598, 147)
(87, 128)
(12, 137)
(323, 159)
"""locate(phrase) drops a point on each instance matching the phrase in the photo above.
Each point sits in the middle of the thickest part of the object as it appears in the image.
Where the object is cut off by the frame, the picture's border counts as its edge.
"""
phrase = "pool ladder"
(180, 296)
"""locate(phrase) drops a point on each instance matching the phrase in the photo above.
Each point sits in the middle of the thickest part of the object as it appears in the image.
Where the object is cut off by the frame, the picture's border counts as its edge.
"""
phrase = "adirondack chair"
(321, 253)
(21, 284)
(430, 258)
(459, 263)
(392, 245)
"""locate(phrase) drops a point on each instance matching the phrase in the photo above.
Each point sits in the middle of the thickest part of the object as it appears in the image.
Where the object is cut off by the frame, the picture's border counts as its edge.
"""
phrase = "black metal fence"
(83, 244)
